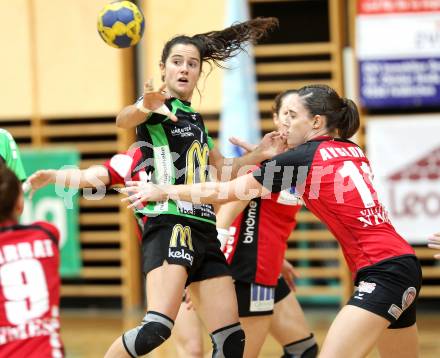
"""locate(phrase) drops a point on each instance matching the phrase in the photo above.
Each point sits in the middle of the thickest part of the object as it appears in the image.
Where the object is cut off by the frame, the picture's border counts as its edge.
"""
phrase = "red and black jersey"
(129, 166)
(29, 291)
(260, 233)
(333, 177)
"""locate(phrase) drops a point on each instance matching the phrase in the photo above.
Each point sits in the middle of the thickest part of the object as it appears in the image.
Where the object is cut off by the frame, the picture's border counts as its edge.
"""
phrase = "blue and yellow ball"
(121, 24)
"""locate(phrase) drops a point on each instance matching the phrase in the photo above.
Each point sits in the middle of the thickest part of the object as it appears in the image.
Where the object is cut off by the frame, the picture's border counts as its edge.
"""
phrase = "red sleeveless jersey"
(334, 179)
(260, 233)
(29, 291)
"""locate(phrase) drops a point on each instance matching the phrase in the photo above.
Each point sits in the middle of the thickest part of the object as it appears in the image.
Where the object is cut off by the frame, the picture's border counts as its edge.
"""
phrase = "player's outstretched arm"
(243, 188)
(434, 243)
(272, 144)
(152, 101)
(92, 177)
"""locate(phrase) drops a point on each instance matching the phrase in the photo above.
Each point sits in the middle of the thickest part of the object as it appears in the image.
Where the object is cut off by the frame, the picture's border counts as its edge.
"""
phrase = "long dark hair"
(219, 46)
(10, 189)
(341, 113)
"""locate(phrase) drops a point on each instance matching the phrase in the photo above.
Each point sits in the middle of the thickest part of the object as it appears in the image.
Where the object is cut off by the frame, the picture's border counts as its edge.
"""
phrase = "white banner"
(398, 48)
(418, 36)
(404, 152)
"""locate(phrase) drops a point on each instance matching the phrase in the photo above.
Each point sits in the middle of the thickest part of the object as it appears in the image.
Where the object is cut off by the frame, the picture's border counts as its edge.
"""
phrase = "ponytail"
(341, 113)
(219, 46)
(349, 121)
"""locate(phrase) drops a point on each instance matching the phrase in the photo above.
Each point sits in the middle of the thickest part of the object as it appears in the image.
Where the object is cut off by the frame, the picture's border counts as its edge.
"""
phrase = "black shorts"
(183, 241)
(390, 289)
(259, 300)
(282, 290)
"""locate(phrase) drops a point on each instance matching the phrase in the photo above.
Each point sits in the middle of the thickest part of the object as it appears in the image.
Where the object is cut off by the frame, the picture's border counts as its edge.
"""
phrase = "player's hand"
(39, 180)
(434, 243)
(139, 192)
(155, 100)
(247, 147)
(273, 143)
(289, 274)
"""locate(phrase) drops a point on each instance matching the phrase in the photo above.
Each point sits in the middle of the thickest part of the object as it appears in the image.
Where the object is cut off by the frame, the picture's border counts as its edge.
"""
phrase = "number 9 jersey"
(29, 291)
(334, 179)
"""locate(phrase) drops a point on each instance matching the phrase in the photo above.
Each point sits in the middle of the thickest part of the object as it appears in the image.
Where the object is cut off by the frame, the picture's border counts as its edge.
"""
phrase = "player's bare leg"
(164, 286)
(353, 333)
(216, 304)
(256, 329)
(288, 322)
(289, 327)
(187, 333)
(399, 343)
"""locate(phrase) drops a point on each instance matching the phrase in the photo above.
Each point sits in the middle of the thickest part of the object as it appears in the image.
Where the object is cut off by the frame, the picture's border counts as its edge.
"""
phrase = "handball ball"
(121, 24)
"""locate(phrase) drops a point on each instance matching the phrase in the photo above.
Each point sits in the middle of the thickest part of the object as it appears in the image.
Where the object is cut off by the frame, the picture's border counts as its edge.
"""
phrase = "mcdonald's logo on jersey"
(181, 237)
(181, 246)
(196, 162)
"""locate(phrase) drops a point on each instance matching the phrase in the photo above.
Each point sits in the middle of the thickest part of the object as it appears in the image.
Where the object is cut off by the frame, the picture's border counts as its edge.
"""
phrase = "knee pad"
(151, 333)
(228, 342)
(304, 348)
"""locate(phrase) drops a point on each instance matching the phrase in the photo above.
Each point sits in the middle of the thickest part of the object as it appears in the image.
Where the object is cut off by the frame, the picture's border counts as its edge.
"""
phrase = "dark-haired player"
(254, 244)
(180, 244)
(29, 279)
(333, 176)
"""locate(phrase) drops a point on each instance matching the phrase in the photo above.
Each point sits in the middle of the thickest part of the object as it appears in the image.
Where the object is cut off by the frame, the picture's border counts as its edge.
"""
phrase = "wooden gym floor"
(88, 333)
